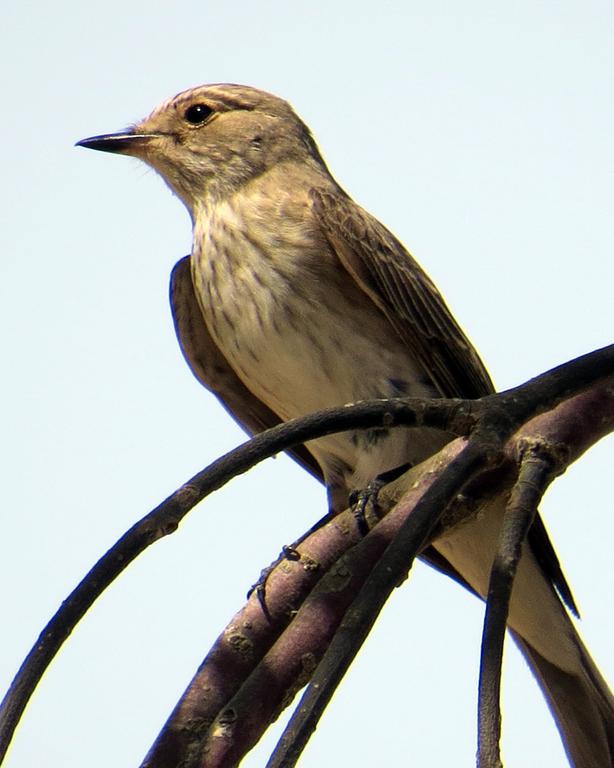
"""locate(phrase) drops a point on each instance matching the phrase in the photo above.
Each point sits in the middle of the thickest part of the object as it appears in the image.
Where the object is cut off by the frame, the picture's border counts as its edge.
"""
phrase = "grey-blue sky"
(481, 134)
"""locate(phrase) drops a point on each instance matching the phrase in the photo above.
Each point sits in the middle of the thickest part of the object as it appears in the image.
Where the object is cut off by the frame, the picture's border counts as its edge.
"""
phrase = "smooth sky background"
(481, 134)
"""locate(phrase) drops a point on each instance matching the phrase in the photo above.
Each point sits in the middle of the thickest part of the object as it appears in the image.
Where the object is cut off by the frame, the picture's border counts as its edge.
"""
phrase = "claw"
(288, 552)
(364, 502)
(365, 506)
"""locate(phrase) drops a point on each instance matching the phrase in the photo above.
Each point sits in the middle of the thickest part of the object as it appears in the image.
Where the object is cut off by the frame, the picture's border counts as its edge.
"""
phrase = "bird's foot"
(288, 552)
(365, 506)
(364, 503)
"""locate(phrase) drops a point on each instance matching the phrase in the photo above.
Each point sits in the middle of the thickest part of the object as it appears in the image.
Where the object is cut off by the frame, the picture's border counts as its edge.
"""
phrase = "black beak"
(116, 142)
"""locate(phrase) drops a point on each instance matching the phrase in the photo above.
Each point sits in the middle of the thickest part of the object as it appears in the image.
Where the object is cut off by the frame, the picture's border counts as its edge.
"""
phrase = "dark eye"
(197, 113)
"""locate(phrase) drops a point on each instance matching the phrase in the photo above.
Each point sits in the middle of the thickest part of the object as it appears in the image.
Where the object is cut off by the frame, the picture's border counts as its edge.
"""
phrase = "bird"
(295, 299)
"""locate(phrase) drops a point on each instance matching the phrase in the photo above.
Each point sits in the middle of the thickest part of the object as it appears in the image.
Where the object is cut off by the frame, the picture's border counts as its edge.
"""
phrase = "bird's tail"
(581, 704)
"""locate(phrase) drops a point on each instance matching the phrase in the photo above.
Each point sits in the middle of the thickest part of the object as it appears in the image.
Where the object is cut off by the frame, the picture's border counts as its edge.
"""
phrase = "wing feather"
(396, 283)
(393, 280)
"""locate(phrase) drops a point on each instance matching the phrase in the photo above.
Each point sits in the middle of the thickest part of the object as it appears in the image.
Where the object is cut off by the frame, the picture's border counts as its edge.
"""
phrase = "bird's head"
(209, 141)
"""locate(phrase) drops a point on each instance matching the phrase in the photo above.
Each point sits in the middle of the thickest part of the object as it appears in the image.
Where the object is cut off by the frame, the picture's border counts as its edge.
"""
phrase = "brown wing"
(394, 281)
(210, 367)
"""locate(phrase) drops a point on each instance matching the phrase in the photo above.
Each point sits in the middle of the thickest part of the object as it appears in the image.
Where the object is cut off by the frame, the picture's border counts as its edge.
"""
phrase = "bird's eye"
(196, 114)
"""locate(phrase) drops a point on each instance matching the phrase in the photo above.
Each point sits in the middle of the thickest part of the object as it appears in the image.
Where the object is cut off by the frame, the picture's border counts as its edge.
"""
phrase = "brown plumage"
(295, 299)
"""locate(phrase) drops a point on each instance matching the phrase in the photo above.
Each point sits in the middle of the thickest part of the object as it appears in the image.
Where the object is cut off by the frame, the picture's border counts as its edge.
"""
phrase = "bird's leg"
(364, 502)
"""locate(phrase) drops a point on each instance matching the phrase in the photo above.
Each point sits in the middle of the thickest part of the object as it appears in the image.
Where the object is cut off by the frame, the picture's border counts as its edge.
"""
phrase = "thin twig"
(534, 476)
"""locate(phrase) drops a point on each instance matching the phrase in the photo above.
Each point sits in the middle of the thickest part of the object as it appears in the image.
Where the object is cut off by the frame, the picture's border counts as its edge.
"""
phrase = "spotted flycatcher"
(295, 299)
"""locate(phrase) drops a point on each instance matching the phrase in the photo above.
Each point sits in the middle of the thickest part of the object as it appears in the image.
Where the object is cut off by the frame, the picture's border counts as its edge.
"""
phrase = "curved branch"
(165, 518)
(534, 476)
(238, 721)
(453, 416)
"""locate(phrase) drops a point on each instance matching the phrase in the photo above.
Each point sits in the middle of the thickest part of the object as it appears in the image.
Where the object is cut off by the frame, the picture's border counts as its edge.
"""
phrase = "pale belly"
(302, 336)
(300, 351)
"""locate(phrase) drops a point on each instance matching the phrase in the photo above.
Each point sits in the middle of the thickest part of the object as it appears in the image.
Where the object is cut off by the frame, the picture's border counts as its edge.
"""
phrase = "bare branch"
(389, 571)
(498, 415)
(535, 474)
(165, 518)
(240, 723)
